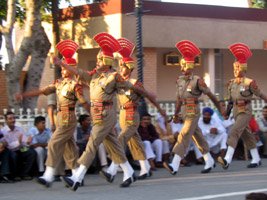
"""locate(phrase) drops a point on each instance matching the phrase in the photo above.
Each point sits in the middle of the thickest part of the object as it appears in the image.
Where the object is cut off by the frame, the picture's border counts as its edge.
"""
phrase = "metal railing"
(26, 118)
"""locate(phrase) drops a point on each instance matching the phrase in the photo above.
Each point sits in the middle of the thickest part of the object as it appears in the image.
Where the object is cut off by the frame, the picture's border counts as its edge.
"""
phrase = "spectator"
(5, 172)
(151, 140)
(83, 134)
(254, 126)
(40, 136)
(22, 156)
(165, 134)
(262, 122)
(227, 123)
(213, 131)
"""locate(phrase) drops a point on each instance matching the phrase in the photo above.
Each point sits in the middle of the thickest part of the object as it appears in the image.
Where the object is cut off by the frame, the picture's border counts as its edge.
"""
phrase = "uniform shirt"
(12, 137)
(190, 87)
(242, 89)
(126, 95)
(39, 137)
(68, 92)
(103, 88)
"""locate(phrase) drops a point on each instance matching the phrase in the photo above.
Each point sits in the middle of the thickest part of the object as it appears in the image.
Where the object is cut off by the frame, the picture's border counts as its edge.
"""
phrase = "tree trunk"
(38, 57)
(56, 34)
(32, 29)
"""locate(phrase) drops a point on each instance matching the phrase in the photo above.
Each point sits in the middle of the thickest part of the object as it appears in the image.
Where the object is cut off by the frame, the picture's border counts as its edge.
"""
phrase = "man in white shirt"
(17, 142)
(213, 131)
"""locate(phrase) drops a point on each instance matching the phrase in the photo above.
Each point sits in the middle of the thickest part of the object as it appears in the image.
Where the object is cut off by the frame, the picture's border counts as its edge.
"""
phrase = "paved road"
(188, 184)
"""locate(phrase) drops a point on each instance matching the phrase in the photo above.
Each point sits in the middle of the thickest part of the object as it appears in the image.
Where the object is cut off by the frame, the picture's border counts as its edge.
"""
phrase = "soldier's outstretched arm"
(256, 90)
(82, 74)
(215, 101)
(58, 62)
(152, 99)
(33, 93)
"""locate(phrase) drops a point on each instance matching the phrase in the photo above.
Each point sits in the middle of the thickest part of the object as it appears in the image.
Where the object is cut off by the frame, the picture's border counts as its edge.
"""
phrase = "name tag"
(64, 92)
(242, 89)
(128, 92)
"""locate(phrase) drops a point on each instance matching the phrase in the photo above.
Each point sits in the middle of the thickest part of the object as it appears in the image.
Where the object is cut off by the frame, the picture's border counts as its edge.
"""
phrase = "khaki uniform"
(129, 122)
(188, 92)
(103, 88)
(68, 92)
(241, 94)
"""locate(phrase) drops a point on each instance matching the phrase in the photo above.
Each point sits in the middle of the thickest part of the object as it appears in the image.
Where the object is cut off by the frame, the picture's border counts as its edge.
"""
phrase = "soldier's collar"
(239, 80)
(188, 77)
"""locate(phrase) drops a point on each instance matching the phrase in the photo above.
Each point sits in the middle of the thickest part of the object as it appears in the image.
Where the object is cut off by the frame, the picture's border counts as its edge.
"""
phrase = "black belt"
(66, 109)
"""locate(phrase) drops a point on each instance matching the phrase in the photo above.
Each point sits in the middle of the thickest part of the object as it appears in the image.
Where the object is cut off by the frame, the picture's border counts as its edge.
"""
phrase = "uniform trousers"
(62, 142)
(104, 132)
(130, 136)
(190, 131)
(240, 129)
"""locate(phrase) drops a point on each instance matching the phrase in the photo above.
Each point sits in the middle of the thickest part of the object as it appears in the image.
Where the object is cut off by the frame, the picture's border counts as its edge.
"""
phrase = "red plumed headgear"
(107, 43)
(241, 52)
(188, 50)
(126, 52)
(67, 49)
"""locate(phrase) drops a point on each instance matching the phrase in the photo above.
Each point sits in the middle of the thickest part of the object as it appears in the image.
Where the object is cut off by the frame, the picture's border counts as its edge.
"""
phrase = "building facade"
(212, 28)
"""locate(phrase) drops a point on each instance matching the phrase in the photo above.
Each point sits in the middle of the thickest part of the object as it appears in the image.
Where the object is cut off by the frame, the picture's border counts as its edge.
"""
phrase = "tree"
(257, 3)
(35, 44)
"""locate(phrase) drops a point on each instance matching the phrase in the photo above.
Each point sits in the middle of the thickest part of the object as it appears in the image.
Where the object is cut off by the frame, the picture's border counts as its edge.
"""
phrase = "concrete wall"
(83, 30)
(165, 31)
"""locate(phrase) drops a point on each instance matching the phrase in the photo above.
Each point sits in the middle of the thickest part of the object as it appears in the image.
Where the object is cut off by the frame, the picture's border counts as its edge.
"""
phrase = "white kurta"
(215, 141)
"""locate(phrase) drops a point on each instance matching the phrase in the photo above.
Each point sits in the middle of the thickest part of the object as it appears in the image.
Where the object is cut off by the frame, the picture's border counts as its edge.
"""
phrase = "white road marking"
(224, 195)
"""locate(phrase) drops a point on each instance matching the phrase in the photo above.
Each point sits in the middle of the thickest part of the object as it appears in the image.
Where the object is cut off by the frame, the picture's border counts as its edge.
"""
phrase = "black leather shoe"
(109, 178)
(169, 168)
(70, 183)
(205, 171)
(43, 182)
(144, 176)
(223, 162)
(254, 165)
(67, 186)
(5, 179)
(57, 178)
(128, 181)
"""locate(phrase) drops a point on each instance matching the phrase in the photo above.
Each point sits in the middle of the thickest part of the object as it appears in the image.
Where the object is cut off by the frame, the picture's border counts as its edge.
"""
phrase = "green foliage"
(3, 9)
(20, 10)
(258, 4)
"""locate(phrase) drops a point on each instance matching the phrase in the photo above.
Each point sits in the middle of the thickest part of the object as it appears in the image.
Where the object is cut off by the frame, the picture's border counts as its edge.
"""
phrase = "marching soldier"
(129, 115)
(68, 91)
(241, 90)
(189, 89)
(103, 85)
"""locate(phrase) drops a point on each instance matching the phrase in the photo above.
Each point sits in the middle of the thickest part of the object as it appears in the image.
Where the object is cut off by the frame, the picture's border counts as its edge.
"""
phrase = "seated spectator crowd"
(23, 154)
